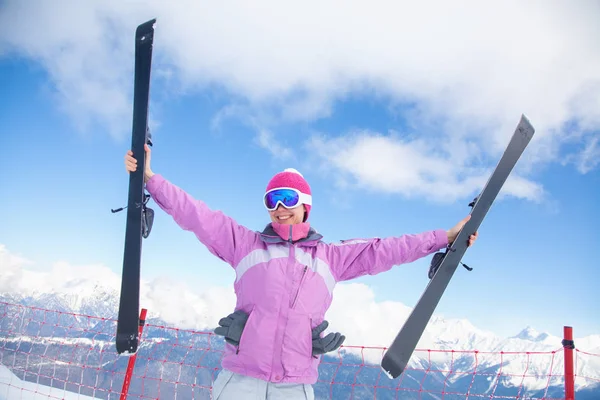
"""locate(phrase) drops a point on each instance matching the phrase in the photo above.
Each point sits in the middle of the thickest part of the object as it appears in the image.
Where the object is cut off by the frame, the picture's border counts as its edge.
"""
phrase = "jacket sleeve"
(354, 258)
(218, 232)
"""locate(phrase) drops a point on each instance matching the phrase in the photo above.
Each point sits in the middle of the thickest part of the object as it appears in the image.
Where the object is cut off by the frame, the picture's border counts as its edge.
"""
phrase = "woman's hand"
(131, 163)
(453, 233)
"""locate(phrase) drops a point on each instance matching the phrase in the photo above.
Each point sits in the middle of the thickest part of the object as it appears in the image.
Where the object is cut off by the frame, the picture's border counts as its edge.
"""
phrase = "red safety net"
(61, 355)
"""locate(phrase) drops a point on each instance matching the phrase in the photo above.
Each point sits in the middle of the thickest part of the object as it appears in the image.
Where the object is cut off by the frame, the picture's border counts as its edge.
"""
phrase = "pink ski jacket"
(286, 287)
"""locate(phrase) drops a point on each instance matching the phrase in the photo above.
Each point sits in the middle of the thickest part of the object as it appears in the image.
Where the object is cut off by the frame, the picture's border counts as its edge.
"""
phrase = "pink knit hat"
(291, 178)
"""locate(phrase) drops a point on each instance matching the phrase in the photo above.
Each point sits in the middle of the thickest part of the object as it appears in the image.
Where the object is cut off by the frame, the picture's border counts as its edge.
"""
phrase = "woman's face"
(288, 216)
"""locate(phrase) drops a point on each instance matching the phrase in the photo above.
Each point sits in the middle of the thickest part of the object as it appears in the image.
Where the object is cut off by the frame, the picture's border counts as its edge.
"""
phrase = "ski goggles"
(287, 197)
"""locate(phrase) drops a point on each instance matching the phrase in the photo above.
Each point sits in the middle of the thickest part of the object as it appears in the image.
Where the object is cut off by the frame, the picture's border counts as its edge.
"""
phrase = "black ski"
(139, 217)
(398, 355)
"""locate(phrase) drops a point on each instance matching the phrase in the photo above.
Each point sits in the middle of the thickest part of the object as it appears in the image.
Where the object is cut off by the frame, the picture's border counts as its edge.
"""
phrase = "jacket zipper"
(311, 324)
(300, 285)
(237, 348)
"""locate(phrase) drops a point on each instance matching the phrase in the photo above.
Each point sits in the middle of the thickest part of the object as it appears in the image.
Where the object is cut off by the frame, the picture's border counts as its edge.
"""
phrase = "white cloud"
(12, 265)
(467, 72)
(265, 139)
(413, 167)
(179, 305)
(365, 322)
(589, 157)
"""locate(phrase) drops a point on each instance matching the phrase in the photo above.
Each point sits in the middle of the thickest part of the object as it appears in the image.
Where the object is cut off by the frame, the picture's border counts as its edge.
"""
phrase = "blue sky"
(384, 157)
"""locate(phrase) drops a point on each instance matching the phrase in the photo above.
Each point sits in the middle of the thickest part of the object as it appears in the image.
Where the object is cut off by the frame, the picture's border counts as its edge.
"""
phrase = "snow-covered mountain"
(460, 335)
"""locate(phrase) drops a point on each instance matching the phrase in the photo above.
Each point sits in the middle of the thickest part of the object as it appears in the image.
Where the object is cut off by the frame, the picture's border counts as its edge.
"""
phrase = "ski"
(398, 355)
(139, 217)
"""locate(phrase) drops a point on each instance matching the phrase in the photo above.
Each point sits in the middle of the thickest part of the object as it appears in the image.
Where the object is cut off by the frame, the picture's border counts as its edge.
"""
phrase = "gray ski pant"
(232, 386)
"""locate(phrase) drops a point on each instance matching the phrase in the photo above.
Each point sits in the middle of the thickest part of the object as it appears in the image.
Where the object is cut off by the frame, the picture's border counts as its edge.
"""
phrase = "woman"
(285, 276)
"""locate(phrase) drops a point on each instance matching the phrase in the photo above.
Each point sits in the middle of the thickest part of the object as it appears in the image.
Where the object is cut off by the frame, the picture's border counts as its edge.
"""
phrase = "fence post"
(568, 346)
(131, 362)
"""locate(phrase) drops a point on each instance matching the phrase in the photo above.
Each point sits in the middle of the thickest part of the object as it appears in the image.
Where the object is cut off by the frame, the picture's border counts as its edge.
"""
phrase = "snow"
(11, 387)
(530, 334)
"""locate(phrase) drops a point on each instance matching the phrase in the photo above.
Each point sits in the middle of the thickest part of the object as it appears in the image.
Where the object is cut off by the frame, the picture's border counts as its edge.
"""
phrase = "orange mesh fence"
(449, 374)
(587, 372)
(61, 355)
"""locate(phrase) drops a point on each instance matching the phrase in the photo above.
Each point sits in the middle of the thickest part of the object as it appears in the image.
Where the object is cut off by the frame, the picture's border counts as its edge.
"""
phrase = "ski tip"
(145, 28)
(525, 121)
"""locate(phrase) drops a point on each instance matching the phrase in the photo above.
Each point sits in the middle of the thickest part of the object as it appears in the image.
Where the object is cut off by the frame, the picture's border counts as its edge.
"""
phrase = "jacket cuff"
(154, 183)
(441, 238)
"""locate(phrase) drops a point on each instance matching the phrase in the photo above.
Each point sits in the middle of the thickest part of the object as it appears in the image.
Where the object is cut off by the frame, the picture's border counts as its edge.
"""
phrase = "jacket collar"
(297, 233)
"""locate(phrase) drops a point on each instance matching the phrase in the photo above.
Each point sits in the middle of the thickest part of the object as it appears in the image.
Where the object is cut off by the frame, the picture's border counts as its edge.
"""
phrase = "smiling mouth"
(284, 217)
